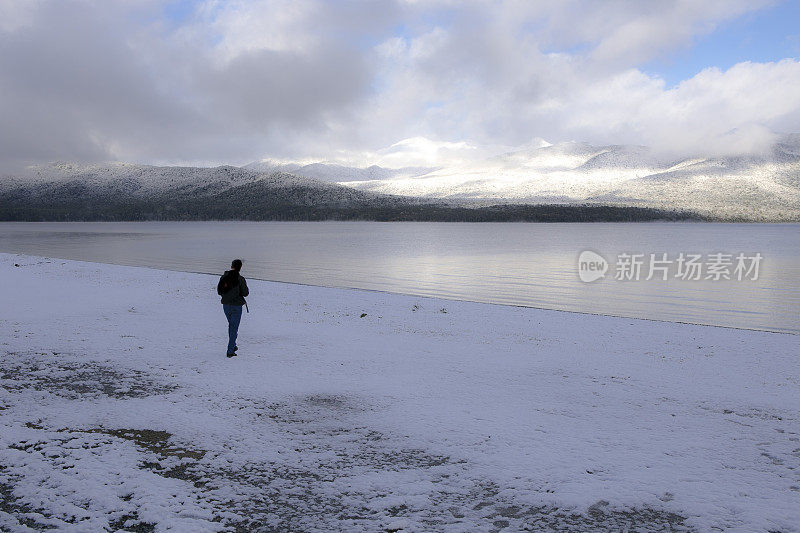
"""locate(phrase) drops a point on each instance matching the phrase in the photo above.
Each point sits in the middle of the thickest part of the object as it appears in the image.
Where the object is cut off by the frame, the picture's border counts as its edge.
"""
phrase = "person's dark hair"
(236, 264)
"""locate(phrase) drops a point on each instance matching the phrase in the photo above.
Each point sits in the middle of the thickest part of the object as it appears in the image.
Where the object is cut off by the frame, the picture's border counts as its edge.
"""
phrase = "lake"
(524, 264)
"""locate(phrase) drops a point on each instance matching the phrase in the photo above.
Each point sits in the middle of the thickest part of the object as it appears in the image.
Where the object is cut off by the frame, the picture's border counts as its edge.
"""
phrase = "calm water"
(521, 264)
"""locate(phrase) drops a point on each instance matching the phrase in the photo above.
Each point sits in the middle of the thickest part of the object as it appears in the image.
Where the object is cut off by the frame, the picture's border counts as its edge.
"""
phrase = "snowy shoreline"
(119, 407)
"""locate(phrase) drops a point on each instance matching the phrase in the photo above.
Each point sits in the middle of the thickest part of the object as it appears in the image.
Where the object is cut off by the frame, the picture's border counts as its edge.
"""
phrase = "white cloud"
(715, 111)
(244, 26)
(16, 15)
(420, 151)
(435, 80)
(659, 27)
(483, 83)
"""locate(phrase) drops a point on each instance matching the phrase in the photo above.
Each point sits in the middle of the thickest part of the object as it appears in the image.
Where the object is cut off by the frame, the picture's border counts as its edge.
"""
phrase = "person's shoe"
(235, 348)
(231, 355)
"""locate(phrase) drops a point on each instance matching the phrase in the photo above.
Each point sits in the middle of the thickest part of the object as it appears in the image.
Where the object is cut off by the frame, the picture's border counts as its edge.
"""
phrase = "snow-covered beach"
(364, 411)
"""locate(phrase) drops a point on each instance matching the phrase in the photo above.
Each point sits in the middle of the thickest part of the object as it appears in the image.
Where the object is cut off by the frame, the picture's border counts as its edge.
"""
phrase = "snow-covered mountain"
(120, 191)
(759, 187)
(146, 180)
(68, 191)
(333, 172)
(763, 186)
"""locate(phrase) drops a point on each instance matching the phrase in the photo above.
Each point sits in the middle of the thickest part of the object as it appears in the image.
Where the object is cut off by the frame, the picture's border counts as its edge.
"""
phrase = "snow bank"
(119, 408)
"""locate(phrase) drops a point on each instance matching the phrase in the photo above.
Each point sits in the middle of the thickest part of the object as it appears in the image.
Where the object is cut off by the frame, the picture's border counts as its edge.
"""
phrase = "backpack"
(228, 281)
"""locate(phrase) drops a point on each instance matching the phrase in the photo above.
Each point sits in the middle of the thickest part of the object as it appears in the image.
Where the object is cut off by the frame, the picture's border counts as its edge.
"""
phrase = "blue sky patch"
(770, 34)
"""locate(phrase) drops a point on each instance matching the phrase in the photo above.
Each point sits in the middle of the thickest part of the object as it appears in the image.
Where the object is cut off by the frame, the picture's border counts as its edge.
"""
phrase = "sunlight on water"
(518, 264)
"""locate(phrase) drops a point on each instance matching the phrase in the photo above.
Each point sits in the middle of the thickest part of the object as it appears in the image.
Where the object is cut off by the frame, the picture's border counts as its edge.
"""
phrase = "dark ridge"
(280, 211)
(271, 199)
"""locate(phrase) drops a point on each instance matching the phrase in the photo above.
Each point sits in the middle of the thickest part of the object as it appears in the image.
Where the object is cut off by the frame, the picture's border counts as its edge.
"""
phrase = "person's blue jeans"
(234, 315)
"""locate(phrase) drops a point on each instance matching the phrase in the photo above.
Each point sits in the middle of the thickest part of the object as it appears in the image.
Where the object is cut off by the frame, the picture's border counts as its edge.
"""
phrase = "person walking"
(233, 288)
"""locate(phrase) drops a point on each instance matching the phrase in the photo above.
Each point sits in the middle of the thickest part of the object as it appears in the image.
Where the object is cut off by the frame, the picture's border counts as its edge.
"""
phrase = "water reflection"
(518, 264)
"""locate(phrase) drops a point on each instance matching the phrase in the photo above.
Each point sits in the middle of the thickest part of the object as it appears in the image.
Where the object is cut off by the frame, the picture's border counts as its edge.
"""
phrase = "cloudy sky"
(389, 81)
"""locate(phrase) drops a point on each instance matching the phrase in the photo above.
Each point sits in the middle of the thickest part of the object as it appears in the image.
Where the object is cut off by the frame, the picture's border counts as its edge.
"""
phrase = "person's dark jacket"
(235, 295)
